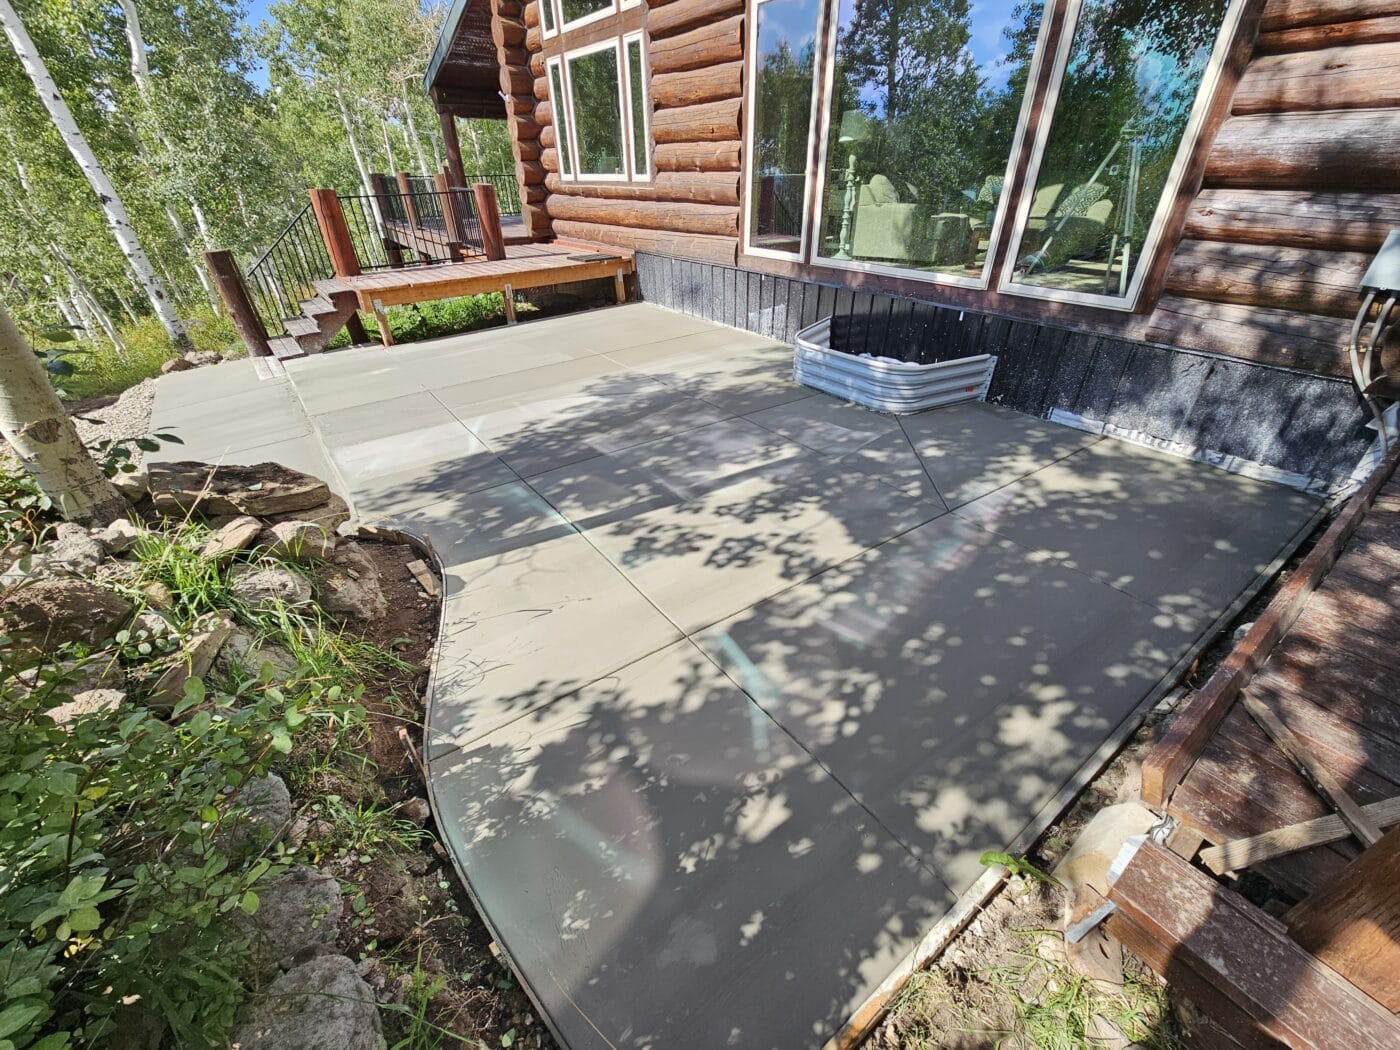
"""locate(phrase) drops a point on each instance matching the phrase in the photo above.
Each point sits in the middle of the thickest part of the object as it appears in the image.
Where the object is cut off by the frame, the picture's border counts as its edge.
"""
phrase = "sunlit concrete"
(737, 680)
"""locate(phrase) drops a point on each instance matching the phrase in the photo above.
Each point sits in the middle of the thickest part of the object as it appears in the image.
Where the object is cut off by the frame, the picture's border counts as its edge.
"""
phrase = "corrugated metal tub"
(887, 384)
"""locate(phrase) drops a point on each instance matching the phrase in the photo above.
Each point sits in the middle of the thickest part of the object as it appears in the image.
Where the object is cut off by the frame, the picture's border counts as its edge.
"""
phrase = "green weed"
(100, 369)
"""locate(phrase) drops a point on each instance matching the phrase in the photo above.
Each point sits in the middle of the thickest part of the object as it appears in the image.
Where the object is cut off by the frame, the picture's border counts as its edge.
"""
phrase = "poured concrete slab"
(727, 702)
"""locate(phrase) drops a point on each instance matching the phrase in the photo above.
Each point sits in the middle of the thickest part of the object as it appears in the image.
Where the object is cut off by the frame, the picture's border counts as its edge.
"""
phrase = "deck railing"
(507, 189)
(286, 273)
(393, 228)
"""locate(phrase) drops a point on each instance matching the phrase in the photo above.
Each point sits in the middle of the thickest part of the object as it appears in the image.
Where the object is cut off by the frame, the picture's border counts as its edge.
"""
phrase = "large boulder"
(261, 812)
(349, 585)
(298, 541)
(266, 586)
(263, 489)
(244, 654)
(298, 913)
(89, 702)
(70, 554)
(46, 614)
(329, 515)
(322, 1004)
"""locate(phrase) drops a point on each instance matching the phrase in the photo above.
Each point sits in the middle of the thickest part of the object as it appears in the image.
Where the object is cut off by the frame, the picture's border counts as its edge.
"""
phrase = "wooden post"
(488, 217)
(620, 286)
(356, 328)
(508, 302)
(381, 317)
(410, 210)
(335, 233)
(455, 169)
(451, 216)
(379, 184)
(229, 281)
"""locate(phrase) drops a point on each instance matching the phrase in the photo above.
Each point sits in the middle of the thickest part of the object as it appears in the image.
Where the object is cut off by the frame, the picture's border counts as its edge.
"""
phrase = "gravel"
(121, 418)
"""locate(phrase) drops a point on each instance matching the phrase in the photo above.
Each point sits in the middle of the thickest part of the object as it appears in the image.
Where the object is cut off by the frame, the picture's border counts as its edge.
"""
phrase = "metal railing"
(507, 189)
(422, 226)
(287, 272)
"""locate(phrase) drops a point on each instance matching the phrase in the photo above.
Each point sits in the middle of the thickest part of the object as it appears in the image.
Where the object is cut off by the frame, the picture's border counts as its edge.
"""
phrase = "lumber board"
(709, 45)
(1213, 945)
(1360, 76)
(717, 219)
(687, 246)
(1238, 854)
(1311, 342)
(697, 156)
(700, 187)
(1335, 34)
(705, 122)
(674, 18)
(477, 278)
(691, 86)
(1355, 150)
(1353, 926)
(1191, 727)
(1338, 222)
(1289, 14)
(1303, 279)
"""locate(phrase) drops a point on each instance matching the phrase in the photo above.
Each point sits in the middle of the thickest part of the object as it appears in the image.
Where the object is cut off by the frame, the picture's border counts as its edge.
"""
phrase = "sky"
(255, 11)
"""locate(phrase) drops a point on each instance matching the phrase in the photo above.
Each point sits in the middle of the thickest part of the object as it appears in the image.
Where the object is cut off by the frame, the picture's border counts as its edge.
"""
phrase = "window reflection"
(574, 10)
(1133, 73)
(926, 97)
(597, 113)
(785, 55)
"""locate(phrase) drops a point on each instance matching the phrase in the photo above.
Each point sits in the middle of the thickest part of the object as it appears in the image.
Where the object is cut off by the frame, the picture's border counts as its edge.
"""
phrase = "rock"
(199, 358)
(239, 534)
(329, 515)
(415, 811)
(242, 653)
(263, 811)
(96, 671)
(119, 537)
(265, 587)
(67, 530)
(322, 1004)
(176, 364)
(193, 662)
(134, 487)
(89, 702)
(357, 595)
(157, 594)
(298, 541)
(44, 615)
(264, 489)
(73, 554)
(297, 912)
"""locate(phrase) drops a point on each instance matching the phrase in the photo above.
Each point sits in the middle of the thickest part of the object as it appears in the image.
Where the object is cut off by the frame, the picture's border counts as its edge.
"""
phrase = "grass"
(440, 317)
(409, 1019)
(101, 369)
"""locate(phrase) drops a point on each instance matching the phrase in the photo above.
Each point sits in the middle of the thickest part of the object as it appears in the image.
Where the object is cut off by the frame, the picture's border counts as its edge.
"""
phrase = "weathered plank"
(697, 156)
(1352, 150)
(1242, 853)
(700, 187)
(1288, 14)
(1338, 222)
(1363, 76)
(716, 219)
(692, 86)
(1354, 925)
(1301, 279)
(1275, 337)
(706, 122)
(686, 246)
(1336, 34)
(709, 45)
(1217, 949)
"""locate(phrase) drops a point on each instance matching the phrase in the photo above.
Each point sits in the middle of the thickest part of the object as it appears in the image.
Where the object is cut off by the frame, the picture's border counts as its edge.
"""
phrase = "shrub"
(99, 368)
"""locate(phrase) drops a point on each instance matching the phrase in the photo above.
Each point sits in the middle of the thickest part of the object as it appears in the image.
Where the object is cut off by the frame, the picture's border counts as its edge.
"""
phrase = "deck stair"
(322, 317)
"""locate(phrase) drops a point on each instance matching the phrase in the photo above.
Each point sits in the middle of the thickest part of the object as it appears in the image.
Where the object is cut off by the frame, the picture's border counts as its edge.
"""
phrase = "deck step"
(284, 347)
(303, 327)
(331, 286)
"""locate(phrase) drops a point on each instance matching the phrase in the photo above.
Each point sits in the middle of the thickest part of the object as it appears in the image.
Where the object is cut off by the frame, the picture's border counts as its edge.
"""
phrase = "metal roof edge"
(444, 42)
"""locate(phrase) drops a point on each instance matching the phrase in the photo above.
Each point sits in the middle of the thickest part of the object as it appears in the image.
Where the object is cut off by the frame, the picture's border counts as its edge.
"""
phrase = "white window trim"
(563, 144)
(1151, 241)
(629, 117)
(547, 33)
(813, 122)
(596, 16)
(568, 56)
(625, 4)
(935, 277)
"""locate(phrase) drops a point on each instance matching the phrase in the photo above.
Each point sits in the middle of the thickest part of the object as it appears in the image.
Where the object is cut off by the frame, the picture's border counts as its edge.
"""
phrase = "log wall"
(1300, 187)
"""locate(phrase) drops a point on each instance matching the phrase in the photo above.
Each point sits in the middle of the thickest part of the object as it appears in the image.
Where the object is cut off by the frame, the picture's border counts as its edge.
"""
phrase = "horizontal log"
(1273, 337)
(507, 32)
(716, 219)
(532, 172)
(1302, 279)
(531, 15)
(693, 86)
(692, 246)
(535, 194)
(678, 17)
(707, 122)
(710, 45)
(1337, 34)
(698, 187)
(544, 112)
(1356, 222)
(534, 39)
(549, 160)
(514, 56)
(525, 128)
(541, 88)
(547, 137)
(1289, 14)
(1356, 150)
(697, 156)
(528, 149)
(1362, 77)
(516, 81)
(510, 8)
(537, 67)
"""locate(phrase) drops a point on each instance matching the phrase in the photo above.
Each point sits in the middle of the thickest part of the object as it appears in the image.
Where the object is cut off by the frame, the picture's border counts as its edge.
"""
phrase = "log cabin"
(1156, 215)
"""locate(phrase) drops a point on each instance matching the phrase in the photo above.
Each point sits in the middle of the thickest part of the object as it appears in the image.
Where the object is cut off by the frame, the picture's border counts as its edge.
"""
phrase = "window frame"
(549, 32)
(1010, 185)
(819, 94)
(563, 144)
(629, 117)
(597, 16)
(1152, 241)
(566, 57)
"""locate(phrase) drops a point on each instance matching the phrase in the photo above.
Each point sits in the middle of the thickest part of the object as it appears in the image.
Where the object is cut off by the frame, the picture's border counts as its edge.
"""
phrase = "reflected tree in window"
(594, 88)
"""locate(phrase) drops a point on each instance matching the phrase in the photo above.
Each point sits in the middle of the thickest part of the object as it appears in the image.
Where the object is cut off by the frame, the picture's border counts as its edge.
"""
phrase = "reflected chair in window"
(1077, 229)
(889, 229)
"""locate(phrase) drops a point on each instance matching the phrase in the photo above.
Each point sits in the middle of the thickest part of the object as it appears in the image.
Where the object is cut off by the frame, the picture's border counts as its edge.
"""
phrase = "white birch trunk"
(412, 132)
(40, 431)
(388, 146)
(360, 165)
(112, 207)
(476, 147)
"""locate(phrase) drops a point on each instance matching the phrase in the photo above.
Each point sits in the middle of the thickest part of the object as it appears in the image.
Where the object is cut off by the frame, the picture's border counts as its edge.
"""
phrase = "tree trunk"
(112, 207)
(474, 137)
(423, 168)
(360, 165)
(40, 431)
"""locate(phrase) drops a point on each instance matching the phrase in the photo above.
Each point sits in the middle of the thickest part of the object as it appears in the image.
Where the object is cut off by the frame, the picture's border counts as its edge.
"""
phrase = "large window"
(1131, 79)
(577, 12)
(924, 113)
(600, 105)
(783, 49)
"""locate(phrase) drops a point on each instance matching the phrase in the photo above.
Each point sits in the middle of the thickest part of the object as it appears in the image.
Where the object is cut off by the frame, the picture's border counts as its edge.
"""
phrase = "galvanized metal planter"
(885, 384)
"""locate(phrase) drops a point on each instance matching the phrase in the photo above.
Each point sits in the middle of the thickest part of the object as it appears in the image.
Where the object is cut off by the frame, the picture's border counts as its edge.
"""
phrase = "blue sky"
(255, 11)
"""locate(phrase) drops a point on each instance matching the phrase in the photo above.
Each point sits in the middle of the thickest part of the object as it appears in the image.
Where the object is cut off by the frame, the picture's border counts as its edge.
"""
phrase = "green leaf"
(508, 1038)
(281, 741)
(249, 903)
(84, 920)
(59, 367)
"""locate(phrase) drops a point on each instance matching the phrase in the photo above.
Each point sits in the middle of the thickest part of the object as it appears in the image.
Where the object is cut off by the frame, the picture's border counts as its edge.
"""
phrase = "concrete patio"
(738, 681)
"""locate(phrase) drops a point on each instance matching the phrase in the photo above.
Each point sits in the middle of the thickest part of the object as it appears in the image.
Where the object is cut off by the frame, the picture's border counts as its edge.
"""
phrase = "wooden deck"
(525, 266)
